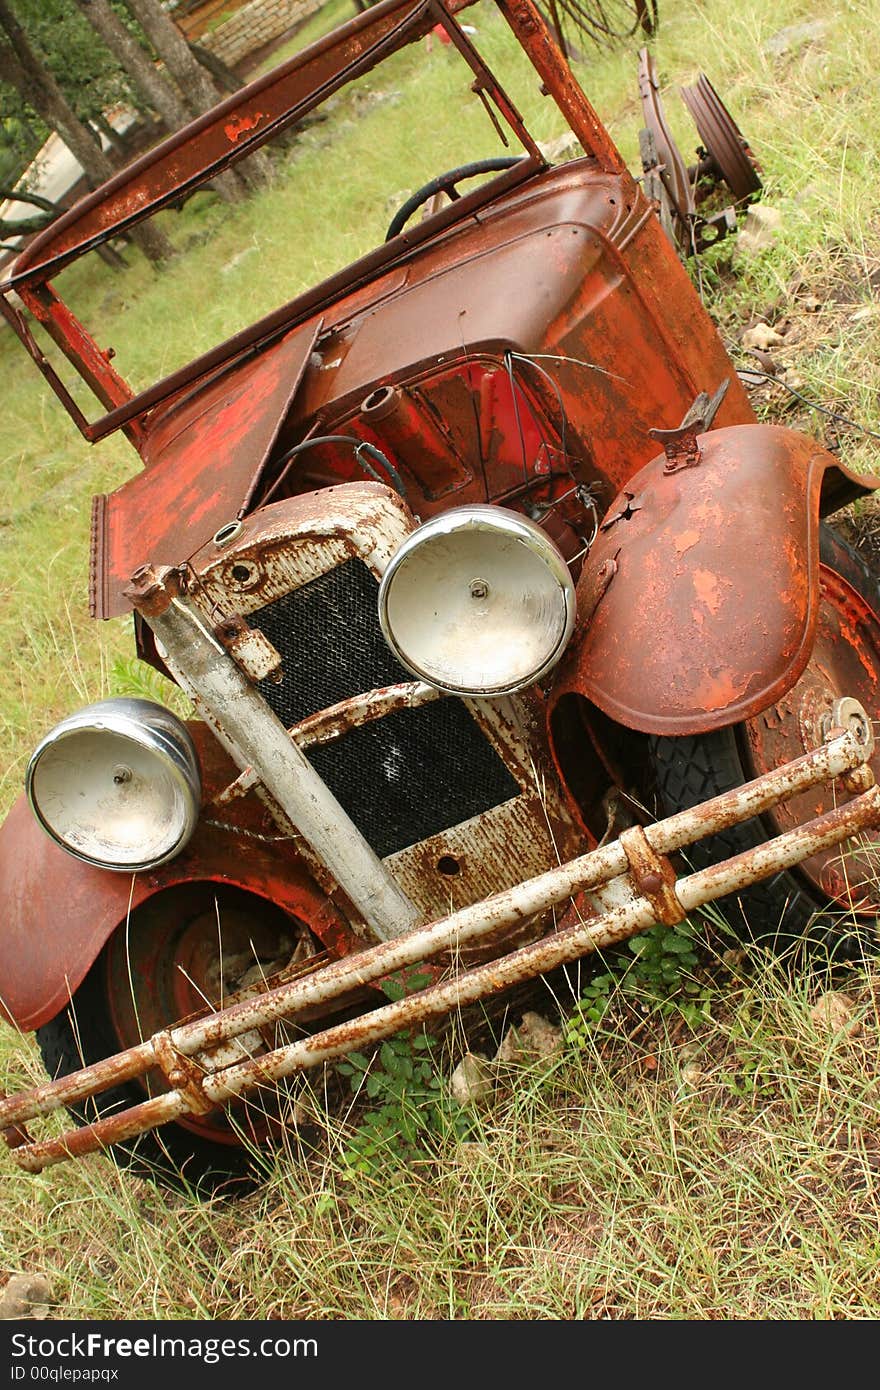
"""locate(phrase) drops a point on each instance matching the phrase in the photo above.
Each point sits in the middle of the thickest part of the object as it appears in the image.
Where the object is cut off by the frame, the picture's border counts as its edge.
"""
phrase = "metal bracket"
(680, 445)
(652, 875)
(250, 649)
(181, 1073)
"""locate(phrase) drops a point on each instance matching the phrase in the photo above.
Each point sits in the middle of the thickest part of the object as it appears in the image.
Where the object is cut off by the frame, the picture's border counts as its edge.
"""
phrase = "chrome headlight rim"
(150, 727)
(492, 520)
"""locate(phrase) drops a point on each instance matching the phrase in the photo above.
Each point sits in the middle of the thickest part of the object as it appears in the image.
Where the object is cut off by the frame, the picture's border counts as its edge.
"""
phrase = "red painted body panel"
(594, 257)
(72, 908)
(201, 462)
(698, 600)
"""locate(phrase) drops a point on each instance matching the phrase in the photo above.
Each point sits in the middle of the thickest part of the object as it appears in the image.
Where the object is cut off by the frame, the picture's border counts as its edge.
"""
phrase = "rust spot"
(706, 586)
(685, 541)
(243, 125)
(720, 690)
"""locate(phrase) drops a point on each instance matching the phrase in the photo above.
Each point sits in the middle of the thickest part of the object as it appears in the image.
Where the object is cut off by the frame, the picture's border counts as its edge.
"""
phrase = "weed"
(591, 1008)
(402, 1091)
(130, 676)
(409, 1111)
(654, 972)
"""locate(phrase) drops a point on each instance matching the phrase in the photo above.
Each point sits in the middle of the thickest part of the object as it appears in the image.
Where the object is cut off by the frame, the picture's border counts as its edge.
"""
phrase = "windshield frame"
(217, 140)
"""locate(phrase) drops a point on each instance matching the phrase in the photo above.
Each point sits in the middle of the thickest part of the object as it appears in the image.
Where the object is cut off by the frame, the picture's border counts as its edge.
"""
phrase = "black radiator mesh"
(402, 778)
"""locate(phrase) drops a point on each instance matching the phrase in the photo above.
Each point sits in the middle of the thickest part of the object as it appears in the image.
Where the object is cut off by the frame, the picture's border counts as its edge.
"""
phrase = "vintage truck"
(509, 632)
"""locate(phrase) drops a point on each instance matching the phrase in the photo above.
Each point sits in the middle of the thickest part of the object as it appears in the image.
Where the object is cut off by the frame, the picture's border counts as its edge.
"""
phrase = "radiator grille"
(402, 778)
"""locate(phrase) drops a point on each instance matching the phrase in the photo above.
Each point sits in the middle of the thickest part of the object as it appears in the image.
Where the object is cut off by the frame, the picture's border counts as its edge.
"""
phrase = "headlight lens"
(478, 601)
(117, 784)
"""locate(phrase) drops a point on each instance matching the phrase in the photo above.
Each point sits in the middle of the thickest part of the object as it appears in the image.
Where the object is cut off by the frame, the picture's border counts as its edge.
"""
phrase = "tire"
(125, 997)
(790, 907)
(171, 1157)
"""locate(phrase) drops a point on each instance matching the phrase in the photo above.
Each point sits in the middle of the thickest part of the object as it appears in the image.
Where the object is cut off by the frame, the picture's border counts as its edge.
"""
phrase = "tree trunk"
(220, 71)
(20, 66)
(199, 89)
(154, 89)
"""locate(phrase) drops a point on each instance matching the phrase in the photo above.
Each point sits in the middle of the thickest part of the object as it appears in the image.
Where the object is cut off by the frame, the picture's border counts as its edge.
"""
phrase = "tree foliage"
(65, 63)
(24, 67)
(88, 74)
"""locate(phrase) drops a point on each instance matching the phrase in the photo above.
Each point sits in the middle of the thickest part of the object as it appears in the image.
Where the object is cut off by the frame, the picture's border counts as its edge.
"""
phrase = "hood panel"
(200, 465)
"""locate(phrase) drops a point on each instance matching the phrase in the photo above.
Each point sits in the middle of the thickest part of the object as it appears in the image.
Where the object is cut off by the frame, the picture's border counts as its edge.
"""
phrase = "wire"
(745, 372)
(361, 447)
(576, 362)
(520, 357)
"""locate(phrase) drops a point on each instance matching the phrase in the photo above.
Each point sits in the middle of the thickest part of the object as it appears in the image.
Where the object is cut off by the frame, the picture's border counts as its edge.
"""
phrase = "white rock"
(471, 1082)
(759, 228)
(834, 1012)
(26, 1296)
(534, 1038)
(784, 40)
(762, 336)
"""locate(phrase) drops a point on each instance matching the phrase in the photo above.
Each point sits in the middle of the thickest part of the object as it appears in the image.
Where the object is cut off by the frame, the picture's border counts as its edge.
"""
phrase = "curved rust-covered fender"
(697, 604)
(58, 913)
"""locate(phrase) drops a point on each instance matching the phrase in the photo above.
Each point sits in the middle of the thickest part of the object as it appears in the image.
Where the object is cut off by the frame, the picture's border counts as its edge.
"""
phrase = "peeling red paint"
(244, 124)
(686, 541)
(706, 588)
(747, 617)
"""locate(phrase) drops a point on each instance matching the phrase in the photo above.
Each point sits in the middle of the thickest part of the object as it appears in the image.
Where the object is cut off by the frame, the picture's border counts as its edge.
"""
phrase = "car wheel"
(184, 949)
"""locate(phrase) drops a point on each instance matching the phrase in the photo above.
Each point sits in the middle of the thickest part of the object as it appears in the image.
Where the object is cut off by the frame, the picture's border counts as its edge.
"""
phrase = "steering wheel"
(445, 183)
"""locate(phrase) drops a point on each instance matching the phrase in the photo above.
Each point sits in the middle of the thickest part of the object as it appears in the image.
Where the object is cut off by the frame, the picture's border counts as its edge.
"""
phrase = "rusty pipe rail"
(183, 1054)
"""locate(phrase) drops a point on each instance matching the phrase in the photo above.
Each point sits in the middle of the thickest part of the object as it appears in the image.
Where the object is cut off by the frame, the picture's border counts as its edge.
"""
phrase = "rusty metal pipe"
(522, 901)
(67, 1090)
(550, 952)
(115, 1129)
(538, 958)
(843, 754)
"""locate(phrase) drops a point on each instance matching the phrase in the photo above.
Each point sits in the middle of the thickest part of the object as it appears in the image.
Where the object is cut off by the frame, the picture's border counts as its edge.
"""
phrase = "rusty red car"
(508, 630)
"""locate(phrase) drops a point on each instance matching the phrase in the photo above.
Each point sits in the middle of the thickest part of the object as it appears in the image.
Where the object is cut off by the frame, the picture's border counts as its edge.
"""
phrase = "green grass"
(727, 1173)
(667, 1168)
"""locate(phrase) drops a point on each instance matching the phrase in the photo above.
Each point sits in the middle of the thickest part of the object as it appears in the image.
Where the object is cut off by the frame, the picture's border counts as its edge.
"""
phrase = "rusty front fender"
(697, 605)
(58, 913)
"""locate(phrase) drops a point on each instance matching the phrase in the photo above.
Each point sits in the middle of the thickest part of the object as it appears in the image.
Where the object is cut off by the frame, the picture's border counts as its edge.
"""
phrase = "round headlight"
(477, 601)
(117, 784)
